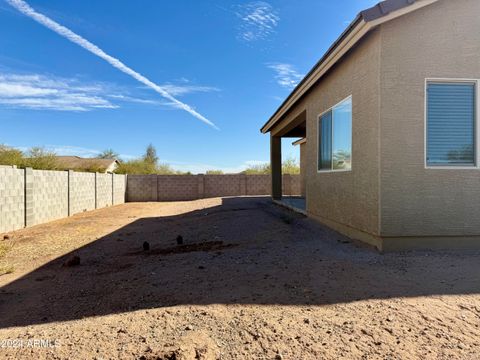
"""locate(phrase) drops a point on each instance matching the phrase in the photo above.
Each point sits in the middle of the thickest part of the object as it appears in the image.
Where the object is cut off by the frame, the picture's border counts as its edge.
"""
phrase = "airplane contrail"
(27, 10)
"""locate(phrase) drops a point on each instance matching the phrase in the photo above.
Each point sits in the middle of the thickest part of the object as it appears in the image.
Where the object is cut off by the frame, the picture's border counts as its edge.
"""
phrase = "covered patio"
(291, 127)
(294, 203)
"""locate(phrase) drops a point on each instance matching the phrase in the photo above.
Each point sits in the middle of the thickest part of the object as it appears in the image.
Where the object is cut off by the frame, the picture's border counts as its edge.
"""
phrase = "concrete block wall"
(12, 198)
(258, 184)
(119, 189)
(29, 197)
(190, 187)
(224, 185)
(178, 187)
(292, 185)
(104, 190)
(142, 188)
(82, 192)
(50, 196)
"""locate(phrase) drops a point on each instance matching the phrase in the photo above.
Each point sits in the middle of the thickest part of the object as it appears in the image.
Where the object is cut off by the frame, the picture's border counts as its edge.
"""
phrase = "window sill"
(332, 171)
(447, 167)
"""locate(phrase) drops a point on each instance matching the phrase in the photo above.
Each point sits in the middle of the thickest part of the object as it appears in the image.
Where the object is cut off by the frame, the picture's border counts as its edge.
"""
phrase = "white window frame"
(476, 82)
(323, 171)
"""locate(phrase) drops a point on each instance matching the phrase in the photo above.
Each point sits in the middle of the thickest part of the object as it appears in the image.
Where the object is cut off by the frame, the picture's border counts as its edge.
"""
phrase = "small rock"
(306, 321)
(278, 357)
(6, 237)
(73, 261)
(146, 246)
(189, 327)
(179, 240)
(201, 267)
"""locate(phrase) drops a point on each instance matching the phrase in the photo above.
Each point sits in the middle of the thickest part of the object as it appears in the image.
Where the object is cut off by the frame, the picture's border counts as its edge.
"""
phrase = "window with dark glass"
(451, 122)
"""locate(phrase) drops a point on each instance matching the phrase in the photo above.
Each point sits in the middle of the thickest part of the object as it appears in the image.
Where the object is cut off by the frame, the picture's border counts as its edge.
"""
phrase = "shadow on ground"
(245, 251)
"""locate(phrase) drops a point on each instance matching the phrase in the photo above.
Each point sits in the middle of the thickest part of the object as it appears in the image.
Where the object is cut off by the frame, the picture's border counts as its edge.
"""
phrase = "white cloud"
(27, 10)
(286, 74)
(43, 92)
(258, 21)
(180, 90)
(48, 92)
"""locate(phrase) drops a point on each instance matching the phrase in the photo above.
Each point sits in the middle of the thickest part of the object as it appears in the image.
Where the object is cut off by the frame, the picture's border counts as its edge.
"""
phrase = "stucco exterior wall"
(347, 199)
(441, 40)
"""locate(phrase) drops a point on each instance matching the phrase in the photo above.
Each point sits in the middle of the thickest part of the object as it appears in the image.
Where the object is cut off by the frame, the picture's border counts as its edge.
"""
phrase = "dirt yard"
(250, 281)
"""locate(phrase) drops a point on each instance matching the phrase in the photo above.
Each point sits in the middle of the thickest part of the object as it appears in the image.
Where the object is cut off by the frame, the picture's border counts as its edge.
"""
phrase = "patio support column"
(276, 166)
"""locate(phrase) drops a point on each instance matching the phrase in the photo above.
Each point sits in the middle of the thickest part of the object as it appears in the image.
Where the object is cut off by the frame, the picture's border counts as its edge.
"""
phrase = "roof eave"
(365, 22)
(299, 142)
(312, 75)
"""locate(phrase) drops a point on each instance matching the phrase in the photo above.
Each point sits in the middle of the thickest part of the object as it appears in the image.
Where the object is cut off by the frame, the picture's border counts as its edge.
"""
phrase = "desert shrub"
(260, 169)
(135, 166)
(11, 156)
(6, 269)
(91, 167)
(145, 165)
(4, 249)
(289, 166)
(42, 159)
(165, 169)
(142, 167)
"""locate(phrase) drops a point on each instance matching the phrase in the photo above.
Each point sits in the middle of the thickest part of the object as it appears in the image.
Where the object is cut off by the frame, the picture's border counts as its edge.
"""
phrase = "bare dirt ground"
(251, 281)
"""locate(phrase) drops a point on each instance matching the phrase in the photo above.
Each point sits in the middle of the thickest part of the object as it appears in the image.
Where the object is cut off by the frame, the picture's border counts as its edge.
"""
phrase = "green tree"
(165, 169)
(289, 166)
(11, 156)
(214, 172)
(151, 155)
(135, 166)
(108, 154)
(142, 167)
(260, 169)
(40, 158)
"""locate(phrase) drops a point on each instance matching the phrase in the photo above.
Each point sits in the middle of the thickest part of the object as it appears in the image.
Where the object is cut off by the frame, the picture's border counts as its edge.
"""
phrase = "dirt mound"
(194, 345)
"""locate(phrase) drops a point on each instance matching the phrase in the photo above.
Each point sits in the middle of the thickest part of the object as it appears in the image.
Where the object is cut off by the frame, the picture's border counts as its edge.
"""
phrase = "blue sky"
(232, 62)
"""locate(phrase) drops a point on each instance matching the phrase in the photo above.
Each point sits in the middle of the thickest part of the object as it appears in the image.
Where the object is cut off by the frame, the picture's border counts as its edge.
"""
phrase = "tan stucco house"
(389, 117)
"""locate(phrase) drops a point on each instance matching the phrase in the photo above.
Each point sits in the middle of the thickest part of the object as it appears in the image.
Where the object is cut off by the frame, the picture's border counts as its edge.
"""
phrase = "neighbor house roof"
(76, 162)
(365, 21)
